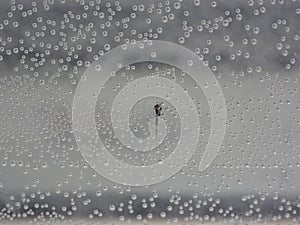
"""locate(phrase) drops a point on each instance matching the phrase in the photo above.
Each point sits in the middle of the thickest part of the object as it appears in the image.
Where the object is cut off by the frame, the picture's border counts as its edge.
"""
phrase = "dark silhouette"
(158, 109)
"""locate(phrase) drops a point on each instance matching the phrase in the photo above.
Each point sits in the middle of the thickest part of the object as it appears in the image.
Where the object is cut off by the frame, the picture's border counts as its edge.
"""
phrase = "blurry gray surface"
(252, 47)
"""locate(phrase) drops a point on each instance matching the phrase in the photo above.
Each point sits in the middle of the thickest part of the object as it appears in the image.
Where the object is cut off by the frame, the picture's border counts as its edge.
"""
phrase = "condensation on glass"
(149, 112)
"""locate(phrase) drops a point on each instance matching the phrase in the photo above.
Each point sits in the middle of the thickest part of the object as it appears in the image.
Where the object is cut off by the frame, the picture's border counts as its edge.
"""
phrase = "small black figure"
(158, 109)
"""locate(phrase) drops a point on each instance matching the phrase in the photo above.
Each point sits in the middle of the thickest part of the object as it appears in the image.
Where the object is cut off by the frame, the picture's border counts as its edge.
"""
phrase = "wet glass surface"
(149, 112)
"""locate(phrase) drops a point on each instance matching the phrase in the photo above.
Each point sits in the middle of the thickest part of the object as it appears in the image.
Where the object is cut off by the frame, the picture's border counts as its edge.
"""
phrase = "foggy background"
(258, 71)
